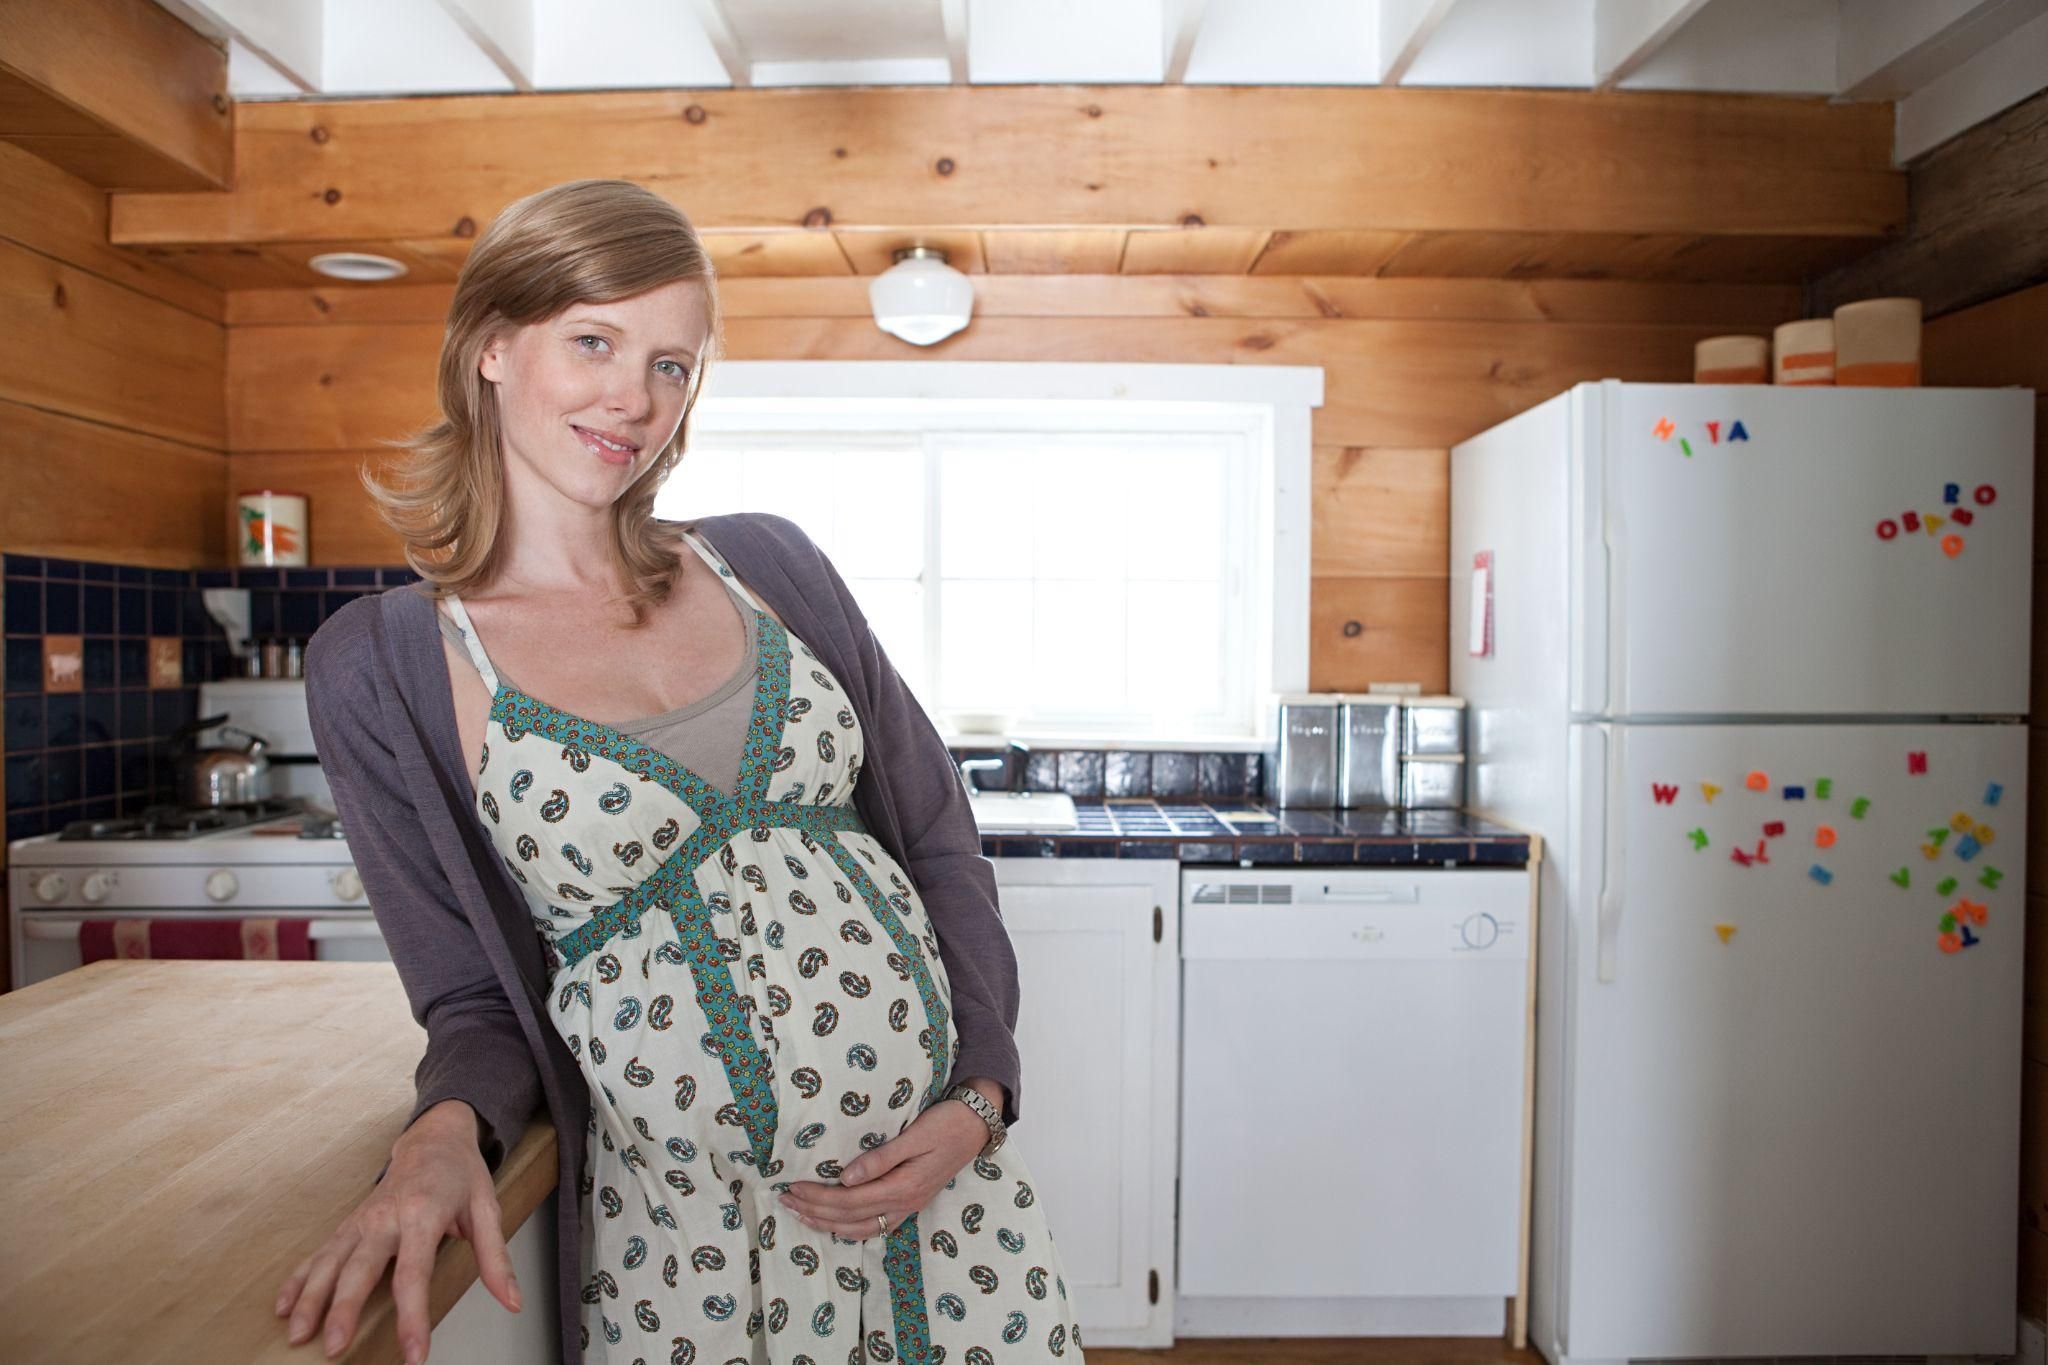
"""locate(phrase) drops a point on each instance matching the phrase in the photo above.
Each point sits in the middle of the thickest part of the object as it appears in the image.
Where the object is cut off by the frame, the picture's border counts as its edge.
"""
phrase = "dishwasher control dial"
(1479, 931)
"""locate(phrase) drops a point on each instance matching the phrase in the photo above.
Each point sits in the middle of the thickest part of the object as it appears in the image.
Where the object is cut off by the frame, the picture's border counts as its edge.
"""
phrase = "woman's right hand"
(437, 1184)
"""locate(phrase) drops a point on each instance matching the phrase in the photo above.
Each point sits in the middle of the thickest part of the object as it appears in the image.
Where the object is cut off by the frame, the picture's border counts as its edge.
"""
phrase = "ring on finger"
(882, 1222)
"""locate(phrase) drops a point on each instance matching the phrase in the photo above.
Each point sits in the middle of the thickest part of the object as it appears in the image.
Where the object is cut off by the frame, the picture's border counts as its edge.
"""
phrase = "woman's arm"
(476, 1050)
(942, 854)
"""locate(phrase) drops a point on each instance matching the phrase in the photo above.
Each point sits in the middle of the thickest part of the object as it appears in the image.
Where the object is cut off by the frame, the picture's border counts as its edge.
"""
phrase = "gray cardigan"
(458, 926)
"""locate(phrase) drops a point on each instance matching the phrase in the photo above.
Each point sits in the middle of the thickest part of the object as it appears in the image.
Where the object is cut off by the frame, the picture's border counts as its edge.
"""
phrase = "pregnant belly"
(790, 1061)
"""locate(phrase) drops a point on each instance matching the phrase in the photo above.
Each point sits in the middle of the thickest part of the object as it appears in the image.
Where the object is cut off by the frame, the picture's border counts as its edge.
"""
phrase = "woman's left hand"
(897, 1178)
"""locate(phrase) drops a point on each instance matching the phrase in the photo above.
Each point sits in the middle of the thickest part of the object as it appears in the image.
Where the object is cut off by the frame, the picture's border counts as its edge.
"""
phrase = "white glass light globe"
(921, 299)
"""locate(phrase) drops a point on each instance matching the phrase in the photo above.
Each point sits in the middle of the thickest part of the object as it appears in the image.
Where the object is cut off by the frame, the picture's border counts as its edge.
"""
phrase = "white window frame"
(1270, 405)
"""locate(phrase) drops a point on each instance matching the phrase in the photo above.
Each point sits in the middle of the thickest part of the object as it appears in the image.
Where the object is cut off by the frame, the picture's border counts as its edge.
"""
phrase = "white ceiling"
(1948, 63)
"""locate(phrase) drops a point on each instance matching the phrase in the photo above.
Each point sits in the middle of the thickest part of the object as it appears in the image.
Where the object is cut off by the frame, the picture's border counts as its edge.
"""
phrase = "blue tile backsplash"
(99, 751)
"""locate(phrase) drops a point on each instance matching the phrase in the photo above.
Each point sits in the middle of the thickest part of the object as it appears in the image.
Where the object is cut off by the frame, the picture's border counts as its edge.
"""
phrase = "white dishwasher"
(1352, 1045)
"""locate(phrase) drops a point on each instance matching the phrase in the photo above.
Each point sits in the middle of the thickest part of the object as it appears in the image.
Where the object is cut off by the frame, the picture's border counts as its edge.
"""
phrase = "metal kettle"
(222, 774)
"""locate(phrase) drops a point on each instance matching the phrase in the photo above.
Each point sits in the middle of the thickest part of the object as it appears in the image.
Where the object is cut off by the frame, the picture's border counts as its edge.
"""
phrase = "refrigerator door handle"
(1605, 817)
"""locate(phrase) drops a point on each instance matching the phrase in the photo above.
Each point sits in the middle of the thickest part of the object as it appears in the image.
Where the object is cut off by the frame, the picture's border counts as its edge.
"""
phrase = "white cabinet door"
(1098, 1035)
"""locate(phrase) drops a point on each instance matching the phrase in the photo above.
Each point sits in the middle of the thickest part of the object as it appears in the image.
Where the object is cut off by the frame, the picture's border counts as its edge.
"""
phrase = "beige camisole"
(707, 735)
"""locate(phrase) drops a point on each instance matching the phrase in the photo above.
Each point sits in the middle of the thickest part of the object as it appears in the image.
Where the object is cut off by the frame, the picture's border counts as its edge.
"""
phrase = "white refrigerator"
(1753, 660)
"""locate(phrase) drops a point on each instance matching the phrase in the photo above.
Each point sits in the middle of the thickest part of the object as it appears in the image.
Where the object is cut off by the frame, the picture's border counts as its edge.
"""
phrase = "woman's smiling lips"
(607, 446)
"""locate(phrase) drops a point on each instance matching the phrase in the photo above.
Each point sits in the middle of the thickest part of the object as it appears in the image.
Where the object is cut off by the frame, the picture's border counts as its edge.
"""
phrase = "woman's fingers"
(359, 1275)
(409, 1281)
(487, 1235)
(294, 1282)
(326, 1265)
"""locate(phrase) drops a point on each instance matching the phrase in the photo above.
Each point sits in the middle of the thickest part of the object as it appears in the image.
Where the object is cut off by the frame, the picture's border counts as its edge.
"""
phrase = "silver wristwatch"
(990, 1115)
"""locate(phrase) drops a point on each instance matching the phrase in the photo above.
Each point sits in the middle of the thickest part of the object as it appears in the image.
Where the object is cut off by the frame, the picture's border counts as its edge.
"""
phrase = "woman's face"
(588, 398)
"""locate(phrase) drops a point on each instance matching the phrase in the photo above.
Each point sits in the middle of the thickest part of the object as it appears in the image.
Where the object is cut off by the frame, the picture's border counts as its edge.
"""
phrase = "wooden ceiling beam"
(1412, 160)
(117, 92)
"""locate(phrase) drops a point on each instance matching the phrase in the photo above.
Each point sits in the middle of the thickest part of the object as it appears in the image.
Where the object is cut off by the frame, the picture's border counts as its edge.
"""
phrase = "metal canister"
(1368, 762)
(1303, 765)
(1432, 781)
(1433, 725)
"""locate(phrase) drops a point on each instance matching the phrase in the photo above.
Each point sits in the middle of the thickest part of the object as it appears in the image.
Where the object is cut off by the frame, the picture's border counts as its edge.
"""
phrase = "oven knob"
(51, 886)
(222, 885)
(1480, 931)
(348, 884)
(96, 886)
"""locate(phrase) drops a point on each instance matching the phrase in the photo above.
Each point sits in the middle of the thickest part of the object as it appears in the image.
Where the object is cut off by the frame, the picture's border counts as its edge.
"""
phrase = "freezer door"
(1768, 551)
(1793, 1114)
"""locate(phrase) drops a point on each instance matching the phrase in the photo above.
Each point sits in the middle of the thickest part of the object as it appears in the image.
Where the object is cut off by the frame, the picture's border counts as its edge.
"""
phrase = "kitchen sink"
(1030, 811)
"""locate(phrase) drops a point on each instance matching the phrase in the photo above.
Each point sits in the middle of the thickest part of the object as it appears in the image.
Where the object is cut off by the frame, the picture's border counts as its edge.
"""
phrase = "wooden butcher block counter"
(177, 1135)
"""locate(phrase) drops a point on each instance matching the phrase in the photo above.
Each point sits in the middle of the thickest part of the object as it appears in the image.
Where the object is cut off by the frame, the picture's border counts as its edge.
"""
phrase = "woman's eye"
(674, 370)
(599, 340)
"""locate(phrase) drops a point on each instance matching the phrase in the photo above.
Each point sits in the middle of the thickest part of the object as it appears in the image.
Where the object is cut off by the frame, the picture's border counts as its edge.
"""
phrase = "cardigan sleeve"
(476, 1050)
(942, 854)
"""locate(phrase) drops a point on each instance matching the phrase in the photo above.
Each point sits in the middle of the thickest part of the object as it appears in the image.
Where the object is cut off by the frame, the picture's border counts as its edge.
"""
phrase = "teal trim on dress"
(903, 1264)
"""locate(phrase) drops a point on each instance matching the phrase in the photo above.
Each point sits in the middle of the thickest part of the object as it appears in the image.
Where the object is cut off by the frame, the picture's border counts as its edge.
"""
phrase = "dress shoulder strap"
(472, 643)
(710, 557)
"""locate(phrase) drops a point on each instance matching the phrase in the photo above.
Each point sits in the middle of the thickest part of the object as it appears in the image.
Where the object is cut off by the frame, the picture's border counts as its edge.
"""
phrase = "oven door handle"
(57, 930)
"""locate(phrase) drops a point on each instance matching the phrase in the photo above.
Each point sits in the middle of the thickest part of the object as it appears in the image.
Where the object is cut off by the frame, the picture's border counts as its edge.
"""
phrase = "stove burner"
(183, 822)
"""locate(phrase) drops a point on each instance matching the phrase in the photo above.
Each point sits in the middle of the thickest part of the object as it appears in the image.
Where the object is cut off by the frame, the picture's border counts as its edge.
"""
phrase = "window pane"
(1079, 579)
(895, 611)
(985, 645)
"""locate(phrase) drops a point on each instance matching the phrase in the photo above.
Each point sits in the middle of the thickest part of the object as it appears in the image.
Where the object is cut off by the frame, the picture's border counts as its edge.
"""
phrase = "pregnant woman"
(740, 874)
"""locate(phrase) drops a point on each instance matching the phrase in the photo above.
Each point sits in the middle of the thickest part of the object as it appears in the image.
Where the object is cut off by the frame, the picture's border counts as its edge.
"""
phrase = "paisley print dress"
(754, 991)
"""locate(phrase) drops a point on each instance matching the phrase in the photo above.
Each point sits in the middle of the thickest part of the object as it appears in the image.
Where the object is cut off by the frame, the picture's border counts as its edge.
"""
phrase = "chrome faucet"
(1012, 761)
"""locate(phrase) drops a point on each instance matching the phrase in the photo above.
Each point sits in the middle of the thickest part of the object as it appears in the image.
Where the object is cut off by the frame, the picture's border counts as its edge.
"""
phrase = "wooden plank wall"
(2005, 341)
(112, 371)
(317, 378)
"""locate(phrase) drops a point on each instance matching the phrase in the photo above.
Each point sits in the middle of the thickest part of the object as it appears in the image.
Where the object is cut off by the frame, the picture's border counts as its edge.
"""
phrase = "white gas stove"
(290, 865)
(284, 858)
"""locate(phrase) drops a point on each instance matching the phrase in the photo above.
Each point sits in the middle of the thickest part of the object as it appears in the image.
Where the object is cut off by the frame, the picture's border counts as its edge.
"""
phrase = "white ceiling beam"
(1985, 86)
(1406, 26)
(953, 19)
(1887, 49)
(1184, 24)
(1627, 33)
(286, 34)
(732, 54)
(503, 31)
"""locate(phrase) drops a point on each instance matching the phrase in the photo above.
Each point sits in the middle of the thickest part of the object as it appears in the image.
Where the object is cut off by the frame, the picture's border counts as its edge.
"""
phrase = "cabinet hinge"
(1153, 1286)
(1158, 925)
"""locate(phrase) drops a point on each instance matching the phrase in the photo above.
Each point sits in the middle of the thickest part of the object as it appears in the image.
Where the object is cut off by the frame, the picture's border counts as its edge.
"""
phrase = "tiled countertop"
(1246, 831)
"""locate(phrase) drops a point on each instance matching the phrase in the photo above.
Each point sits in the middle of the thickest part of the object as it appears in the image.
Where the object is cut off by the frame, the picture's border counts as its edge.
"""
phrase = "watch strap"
(989, 1114)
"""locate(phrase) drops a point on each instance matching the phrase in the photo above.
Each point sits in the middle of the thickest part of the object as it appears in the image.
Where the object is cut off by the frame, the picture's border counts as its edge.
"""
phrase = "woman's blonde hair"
(583, 241)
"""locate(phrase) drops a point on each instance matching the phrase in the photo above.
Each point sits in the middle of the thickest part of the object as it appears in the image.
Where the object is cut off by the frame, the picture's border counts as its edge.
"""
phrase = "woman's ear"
(490, 362)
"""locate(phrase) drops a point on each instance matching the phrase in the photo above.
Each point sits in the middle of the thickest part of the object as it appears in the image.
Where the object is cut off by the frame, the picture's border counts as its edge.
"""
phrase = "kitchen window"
(1079, 561)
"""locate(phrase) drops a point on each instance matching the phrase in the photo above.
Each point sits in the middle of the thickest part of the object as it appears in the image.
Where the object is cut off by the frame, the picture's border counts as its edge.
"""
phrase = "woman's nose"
(631, 401)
